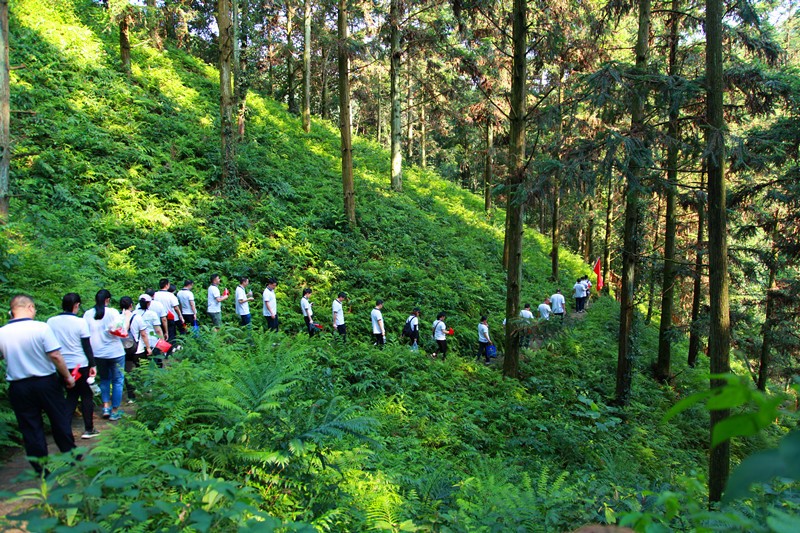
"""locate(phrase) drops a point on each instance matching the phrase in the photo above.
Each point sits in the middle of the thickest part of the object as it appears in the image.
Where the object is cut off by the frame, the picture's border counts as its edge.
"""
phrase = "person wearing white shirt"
(271, 305)
(307, 312)
(33, 365)
(579, 292)
(440, 336)
(413, 323)
(243, 299)
(526, 328)
(558, 304)
(483, 339)
(378, 328)
(109, 354)
(186, 300)
(338, 316)
(545, 310)
(215, 300)
(170, 302)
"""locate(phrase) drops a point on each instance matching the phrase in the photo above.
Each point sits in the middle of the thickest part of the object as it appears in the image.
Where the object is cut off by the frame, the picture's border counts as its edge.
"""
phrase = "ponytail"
(100, 303)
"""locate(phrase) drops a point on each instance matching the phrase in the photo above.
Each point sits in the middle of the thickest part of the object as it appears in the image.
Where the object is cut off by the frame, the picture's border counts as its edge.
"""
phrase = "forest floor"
(15, 471)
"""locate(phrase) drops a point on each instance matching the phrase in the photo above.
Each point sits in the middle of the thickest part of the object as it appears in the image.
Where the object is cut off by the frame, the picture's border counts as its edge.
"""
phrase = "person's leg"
(342, 329)
(117, 382)
(74, 394)
(84, 390)
(51, 395)
(308, 326)
(131, 361)
(442, 345)
(27, 408)
(104, 374)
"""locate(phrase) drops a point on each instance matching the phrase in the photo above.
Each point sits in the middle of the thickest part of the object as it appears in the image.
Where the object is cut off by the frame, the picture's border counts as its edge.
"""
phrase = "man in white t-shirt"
(378, 327)
(72, 333)
(186, 299)
(307, 312)
(33, 365)
(243, 299)
(526, 328)
(170, 301)
(558, 304)
(440, 336)
(484, 341)
(545, 309)
(215, 299)
(270, 306)
(578, 293)
(338, 316)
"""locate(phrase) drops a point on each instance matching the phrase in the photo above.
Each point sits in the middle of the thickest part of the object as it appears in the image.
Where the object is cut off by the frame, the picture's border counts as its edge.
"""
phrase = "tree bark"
(152, 17)
(630, 250)
(719, 333)
(344, 117)
(516, 189)
(766, 330)
(394, 96)
(607, 237)
(240, 81)
(669, 271)
(423, 154)
(228, 146)
(488, 168)
(697, 291)
(5, 113)
(324, 112)
(307, 67)
(555, 237)
(409, 111)
(290, 78)
(651, 293)
(125, 40)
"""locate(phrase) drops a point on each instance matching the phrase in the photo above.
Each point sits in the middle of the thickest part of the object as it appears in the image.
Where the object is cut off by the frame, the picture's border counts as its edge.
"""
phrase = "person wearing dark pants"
(271, 305)
(307, 312)
(338, 316)
(378, 327)
(73, 335)
(33, 365)
(440, 336)
(484, 340)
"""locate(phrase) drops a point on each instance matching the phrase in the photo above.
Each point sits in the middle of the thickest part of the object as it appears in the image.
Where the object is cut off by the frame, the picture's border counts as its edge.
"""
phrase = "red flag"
(597, 270)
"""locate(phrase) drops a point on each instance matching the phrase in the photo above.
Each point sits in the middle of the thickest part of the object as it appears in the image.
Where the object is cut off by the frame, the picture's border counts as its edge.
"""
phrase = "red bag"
(170, 316)
(163, 345)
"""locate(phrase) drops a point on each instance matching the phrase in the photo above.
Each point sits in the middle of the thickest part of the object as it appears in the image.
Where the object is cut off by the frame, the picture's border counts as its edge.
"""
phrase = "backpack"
(408, 329)
(130, 341)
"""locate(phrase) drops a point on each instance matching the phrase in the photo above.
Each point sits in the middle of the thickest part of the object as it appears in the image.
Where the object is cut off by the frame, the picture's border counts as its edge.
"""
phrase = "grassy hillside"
(116, 185)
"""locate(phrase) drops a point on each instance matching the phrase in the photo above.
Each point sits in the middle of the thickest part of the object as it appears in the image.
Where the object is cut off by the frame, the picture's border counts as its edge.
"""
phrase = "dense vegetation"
(116, 183)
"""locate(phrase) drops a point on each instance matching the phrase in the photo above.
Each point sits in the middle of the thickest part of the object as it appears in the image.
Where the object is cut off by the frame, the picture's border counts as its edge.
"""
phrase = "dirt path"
(17, 464)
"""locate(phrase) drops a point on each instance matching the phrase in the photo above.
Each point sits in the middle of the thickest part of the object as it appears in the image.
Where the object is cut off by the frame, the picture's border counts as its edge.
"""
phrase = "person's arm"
(159, 332)
(380, 323)
(194, 309)
(164, 323)
(335, 314)
(178, 312)
(146, 339)
(86, 343)
(61, 367)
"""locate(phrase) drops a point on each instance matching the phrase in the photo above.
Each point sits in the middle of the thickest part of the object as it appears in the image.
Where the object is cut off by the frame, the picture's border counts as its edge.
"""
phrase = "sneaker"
(106, 412)
(131, 402)
(116, 416)
(90, 434)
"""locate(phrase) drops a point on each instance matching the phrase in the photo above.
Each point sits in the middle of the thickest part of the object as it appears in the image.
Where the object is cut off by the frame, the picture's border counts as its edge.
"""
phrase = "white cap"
(146, 297)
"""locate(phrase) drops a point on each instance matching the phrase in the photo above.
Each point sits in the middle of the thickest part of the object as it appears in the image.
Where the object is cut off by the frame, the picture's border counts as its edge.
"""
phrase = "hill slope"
(115, 184)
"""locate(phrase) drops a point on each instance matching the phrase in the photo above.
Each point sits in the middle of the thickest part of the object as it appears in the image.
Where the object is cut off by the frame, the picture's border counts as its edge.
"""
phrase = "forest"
(466, 157)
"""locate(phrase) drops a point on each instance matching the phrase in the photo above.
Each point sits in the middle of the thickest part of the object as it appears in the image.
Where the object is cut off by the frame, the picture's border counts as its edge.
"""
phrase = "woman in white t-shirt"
(109, 354)
(137, 331)
(440, 336)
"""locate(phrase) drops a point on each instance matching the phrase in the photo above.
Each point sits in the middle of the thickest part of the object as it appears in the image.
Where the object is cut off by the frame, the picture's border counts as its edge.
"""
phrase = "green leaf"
(741, 425)
(781, 522)
(686, 403)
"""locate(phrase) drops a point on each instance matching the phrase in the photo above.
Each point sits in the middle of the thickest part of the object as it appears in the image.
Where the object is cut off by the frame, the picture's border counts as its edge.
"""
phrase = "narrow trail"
(12, 470)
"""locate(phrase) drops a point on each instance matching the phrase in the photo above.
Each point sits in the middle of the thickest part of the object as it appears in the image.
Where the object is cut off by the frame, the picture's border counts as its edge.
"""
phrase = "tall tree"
(719, 338)
(307, 66)
(5, 113)
(228, 146)
(488, 169)
(125, 18)
(344, 115)
(290, 77)
(697, 285)
(153, 21)
(555, 238)
(394, 96)
(515, 182)
(669, 270)
(632, 207)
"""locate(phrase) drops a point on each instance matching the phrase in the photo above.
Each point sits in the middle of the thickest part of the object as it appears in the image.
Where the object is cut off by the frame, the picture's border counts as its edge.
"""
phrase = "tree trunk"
(651, 293)
(555, 237)
(669, 275)
(125, 40)
(488, 169)
(409, 111)
(607, 237)
(228, 147)
(423, 155)
(5, 113)
(719, 339)
(630, 250)
(697, 294)
(240, 81)
(344, 117)
(290, 79)
(394, 96)
(307, 67)
(766, 330)
(516, 189)
(324, 112)
(152, 17)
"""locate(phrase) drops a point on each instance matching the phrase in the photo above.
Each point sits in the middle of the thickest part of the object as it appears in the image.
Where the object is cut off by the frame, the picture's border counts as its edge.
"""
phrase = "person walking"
(558, 304)
(578, 294)
(215, 299)
(484, 341)
(186, 301)
(545, 310)
(243, 299)
(138, 339)
(33, 366)
(72, 333)
(378, 327)
(270, 305)
(440, 336)
(307, 312)
(526, 327)
(411, 328)
(170, 302)
(109, 354)
(338, 316)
